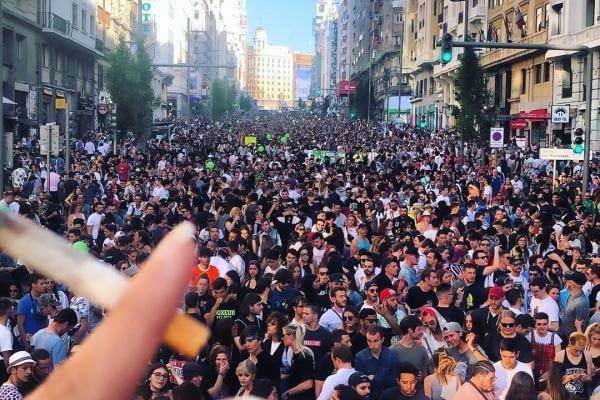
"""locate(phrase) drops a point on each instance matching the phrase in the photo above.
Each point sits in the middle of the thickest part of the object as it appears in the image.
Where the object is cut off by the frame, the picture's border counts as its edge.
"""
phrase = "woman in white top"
(433, 338)
(443, 383)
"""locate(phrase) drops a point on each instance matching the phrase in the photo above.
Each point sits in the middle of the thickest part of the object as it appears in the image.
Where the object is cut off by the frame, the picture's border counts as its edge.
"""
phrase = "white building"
(326, 47)
(575, 23)
(167, 24)
(236, 28)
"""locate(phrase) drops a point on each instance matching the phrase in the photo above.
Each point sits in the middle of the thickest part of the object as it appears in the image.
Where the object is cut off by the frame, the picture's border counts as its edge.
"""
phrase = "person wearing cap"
(282, 294)
(50, 338)
(480, 385)
(42, 369)
(485, 319)
(577, 309)
(390, 312)
(461, 346)
(371, 295)
(361, 385)
(20, 370)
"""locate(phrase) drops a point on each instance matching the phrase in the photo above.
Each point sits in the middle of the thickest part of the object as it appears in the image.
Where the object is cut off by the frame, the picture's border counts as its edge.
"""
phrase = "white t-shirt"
(548, 306)
(504, 377)
(6, 339)
(95, 220)
(550, 336)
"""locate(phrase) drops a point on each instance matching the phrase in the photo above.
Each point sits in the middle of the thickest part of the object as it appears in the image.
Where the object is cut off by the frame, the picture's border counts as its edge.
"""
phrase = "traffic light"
(423, 122)
(72, 124)
(446, 52)
(578, 141)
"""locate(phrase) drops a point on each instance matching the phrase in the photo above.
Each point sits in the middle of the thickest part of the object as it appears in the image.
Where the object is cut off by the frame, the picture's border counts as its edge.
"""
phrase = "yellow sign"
(248, 140)
(60, 104)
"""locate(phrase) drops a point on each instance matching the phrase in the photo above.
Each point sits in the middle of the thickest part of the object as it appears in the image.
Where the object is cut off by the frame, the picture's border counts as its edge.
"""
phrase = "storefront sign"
(518, 124)
(560, 154)
(540, 114)
(560, 114)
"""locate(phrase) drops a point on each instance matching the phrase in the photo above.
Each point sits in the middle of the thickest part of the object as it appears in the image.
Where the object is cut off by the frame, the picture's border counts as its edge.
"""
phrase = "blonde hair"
(505, 314)
(445, 365)
(246, 367)
(593, 329)
(577, 338)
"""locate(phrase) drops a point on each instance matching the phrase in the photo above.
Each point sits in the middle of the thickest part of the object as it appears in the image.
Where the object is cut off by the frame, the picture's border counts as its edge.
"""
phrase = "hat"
(386, 294)
(20, 358)
(191, 370)
(428, 312)
(452, 327)
(357, 378)
(336, 277)
(496, 292)
(576, 277)
(48, 299)
(516, 261)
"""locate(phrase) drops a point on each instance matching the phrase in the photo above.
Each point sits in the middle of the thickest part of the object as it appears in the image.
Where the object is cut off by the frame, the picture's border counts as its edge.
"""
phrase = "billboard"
(303, 80)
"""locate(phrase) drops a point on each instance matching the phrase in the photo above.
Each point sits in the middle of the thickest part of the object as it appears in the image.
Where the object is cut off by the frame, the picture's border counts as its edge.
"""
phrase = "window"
(83, 20)
(20, 47)
(567, 78)
(75, 15)
(434, 42)
(538, 73)
(546, 72)
(523, 81)
(590, 12)
(559, 22)
(539, 19)
(92, 25)
(398, 16)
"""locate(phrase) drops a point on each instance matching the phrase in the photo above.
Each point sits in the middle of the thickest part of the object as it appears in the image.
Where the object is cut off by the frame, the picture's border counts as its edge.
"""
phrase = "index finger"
(100, 359)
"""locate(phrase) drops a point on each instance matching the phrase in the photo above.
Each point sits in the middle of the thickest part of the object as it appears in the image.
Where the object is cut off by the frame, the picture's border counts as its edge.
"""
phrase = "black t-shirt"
(324, 367)
(318, 341)
(359, 342)
(396, 394)
(491, 346)
(273, 362)
(452, 314)
(303, 368)
(484, 322)
(206, 303)
(417, 298)
(474, 296)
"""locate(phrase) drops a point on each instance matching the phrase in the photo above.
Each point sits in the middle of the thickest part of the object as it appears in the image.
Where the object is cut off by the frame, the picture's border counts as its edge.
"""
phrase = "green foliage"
(359, 101)
(245, 102)
(472, 115)
(129, 81)
(224, 97)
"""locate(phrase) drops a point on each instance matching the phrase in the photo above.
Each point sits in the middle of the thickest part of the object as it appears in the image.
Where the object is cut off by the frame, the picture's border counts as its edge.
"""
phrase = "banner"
(248, 140)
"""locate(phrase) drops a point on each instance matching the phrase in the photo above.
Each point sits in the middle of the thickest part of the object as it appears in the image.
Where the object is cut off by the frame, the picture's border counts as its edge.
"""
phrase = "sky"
(288, 22)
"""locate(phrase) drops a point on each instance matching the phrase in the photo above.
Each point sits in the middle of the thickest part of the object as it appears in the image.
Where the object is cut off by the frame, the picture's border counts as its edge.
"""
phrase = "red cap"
(386, 294)
(496, 292)
(428, 312)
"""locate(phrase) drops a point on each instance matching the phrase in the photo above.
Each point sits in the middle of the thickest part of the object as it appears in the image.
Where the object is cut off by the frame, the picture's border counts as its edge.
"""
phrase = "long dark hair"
(554, 385)
(522, 387)
(144, 389)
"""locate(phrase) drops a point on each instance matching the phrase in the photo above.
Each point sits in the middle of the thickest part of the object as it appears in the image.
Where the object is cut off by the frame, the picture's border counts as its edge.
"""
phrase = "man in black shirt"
(407, 385)
(445, 305)
(473, 294)
(485, 319)
(316, 338)
(422, 294)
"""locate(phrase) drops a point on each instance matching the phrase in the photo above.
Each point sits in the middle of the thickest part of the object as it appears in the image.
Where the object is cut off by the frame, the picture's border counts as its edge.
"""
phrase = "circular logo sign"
(102, 109)
(497, 136)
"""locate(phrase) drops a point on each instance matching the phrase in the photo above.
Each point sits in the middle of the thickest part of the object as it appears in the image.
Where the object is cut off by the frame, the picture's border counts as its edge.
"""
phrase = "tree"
(129, 81)
(245, 102)
(219, 99)
(359, 101)
(473, 119)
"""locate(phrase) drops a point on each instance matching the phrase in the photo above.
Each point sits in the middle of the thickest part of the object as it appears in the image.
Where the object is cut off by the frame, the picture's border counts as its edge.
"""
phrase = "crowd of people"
(336, 260)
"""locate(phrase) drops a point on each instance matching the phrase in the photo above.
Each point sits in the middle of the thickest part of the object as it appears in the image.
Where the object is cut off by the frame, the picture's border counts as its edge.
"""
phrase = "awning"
(7, 101)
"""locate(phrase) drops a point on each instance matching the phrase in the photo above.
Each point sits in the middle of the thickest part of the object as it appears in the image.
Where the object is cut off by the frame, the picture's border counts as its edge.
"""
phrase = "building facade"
(270, 73)
(326, 48)
(303, 74)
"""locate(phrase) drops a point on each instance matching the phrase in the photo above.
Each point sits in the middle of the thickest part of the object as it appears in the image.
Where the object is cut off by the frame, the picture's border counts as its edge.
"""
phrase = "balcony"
(57, 23)
(477, 14)
(99, 45)
(498, 56)
(589, 36)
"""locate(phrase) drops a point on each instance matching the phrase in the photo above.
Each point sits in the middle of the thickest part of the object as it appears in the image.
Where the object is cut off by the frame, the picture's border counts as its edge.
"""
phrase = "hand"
(470, 339)
(79, 376)
(223, 368)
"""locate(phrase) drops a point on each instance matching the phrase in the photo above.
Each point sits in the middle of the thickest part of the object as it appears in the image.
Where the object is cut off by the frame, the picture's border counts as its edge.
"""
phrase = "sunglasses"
(507, 325)
(323, 273)
(371, 320)
(482, 258)
(372, 290)
(349, 318)
(365, 259)
(159, 375)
